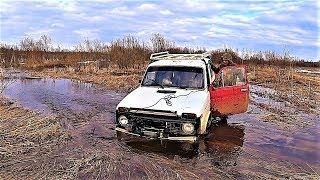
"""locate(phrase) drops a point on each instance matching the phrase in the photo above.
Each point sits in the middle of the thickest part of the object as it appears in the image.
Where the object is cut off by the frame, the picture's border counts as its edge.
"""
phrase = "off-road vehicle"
(179, 97)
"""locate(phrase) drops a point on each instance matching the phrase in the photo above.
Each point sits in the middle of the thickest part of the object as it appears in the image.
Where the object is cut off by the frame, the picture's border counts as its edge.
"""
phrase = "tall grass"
(126, 52)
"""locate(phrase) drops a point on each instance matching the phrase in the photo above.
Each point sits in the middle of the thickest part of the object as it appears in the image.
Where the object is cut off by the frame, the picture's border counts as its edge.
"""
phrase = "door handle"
(244, 90)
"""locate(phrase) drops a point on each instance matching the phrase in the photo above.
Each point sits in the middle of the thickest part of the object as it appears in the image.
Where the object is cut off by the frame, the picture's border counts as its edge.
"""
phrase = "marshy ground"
(62, 128)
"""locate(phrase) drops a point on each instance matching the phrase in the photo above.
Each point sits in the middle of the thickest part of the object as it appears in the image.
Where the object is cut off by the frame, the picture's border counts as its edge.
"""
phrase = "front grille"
(157, 120)
(169, 126)
(157, 114)
(165, 126)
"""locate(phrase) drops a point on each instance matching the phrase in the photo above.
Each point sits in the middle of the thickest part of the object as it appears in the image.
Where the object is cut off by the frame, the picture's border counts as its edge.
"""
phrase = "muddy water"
(245, 146)
(63, 97)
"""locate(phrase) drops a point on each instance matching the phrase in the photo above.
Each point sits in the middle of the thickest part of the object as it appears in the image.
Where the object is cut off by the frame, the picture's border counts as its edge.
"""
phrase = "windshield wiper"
(183, 87)
(154, 81)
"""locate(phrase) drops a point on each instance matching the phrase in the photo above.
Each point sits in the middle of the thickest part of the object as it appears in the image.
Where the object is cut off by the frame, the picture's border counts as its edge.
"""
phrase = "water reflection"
(50, 95)
(221, 146)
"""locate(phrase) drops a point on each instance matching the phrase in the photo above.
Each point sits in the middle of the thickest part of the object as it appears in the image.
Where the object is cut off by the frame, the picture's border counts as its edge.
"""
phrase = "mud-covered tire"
(119, 135)
(219, 120)
(224, 120)
(209, 123)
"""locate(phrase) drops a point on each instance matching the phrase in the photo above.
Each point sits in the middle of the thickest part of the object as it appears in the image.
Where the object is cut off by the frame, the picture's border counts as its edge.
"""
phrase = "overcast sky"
(249, 24)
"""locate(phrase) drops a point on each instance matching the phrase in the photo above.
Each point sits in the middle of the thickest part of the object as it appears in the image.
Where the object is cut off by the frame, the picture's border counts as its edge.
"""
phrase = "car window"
(181, 77)
(230, 76)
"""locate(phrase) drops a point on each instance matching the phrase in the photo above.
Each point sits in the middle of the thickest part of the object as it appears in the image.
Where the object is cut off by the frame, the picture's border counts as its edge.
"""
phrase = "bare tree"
(160, 43)
(27, 44)
(45, 42)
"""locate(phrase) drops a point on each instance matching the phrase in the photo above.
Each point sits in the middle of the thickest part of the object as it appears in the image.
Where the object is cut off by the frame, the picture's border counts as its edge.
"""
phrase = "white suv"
(173, 100)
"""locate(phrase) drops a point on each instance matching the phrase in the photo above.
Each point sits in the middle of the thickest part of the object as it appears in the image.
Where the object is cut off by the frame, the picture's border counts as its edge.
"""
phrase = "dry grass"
(125, 52)
(25, 137)
(35, 147)
(300, 89)
(276, 76)
(113, 78)
(294, 95)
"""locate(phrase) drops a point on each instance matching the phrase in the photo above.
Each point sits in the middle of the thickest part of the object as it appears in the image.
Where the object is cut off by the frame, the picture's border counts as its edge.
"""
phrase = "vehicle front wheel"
(224, 120)
(120, 135)
(209, 123)
(219, 120)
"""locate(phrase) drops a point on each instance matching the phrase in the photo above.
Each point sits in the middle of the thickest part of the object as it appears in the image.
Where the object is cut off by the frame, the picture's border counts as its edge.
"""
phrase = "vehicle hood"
(182, 101)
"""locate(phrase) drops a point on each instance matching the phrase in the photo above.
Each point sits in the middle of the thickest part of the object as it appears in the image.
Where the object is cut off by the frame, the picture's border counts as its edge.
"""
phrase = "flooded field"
(246, 146)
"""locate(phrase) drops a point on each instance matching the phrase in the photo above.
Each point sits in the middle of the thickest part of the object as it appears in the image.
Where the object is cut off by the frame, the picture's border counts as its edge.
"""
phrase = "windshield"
(181, 77)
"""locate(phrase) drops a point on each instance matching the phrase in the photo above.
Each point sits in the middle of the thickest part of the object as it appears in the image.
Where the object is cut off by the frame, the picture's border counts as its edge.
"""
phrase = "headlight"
(187, 128)
(189, 116)
(123, 120)
(123, 109)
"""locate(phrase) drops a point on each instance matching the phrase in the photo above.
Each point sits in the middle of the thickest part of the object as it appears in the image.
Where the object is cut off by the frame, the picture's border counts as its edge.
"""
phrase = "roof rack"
(167, 56)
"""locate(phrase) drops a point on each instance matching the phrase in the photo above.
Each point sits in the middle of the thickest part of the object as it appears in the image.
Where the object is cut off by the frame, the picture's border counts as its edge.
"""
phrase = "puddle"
(222, 146)
(269, 98)
(62, 96)
(308, 71)
(90, 109)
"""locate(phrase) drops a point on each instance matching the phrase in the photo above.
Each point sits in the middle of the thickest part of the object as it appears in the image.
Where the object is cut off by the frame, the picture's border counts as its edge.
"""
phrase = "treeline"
(126, 52)
(263, 58)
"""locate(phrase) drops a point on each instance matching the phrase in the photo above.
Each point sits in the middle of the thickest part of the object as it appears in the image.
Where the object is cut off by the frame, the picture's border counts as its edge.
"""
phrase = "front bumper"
(175, 138)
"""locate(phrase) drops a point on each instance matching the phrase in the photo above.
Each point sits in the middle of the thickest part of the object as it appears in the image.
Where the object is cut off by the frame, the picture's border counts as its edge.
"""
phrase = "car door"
(229, 92)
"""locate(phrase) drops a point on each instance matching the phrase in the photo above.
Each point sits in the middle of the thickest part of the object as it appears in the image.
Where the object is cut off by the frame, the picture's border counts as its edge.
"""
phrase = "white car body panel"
(195, 101)
(183, 101)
